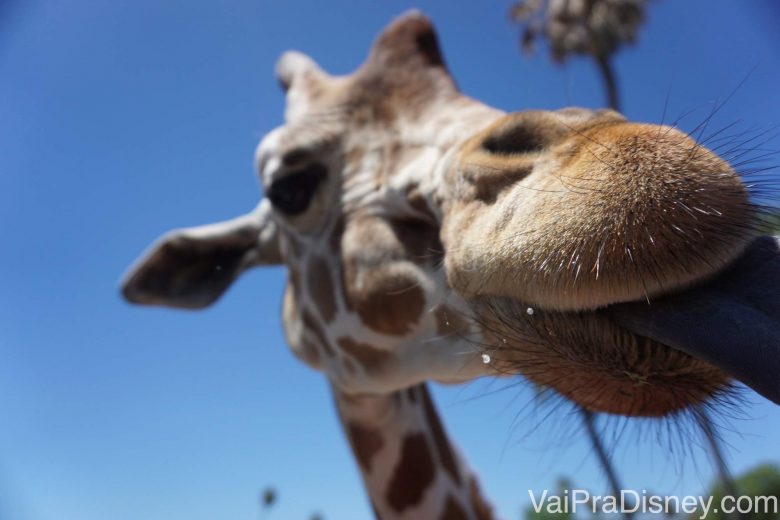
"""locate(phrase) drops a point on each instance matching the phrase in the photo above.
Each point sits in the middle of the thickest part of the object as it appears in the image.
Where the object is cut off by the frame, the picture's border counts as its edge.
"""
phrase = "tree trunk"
(610, 83)
(606, 464)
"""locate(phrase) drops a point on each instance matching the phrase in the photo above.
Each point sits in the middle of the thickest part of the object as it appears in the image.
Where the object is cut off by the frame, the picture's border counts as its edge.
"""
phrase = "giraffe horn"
(297, 70)
(409, 41)
(406, 57)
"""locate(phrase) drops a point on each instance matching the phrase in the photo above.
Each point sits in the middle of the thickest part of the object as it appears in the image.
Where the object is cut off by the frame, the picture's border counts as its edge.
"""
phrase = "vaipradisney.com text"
(632, 501)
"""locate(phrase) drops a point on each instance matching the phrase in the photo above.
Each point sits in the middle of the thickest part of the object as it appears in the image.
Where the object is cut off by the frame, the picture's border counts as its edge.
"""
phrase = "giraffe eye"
(293, 193)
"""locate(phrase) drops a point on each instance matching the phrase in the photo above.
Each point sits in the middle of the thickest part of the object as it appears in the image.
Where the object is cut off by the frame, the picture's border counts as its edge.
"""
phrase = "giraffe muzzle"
(652, 357)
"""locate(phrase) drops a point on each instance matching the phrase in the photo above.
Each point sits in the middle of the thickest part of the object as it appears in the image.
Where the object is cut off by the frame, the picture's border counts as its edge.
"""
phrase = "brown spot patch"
(366, 443)
(381, 280)
(481, 508)
(320, 285)
(309, 353)
(376, 511)
(420, 240)
(310, 323)
(443, 448)
(412, 475)
(394, 305)
(453, 511)
(371, 358)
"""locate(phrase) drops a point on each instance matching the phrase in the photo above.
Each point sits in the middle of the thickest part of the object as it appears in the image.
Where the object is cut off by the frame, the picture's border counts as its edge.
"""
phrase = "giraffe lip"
(731, 321)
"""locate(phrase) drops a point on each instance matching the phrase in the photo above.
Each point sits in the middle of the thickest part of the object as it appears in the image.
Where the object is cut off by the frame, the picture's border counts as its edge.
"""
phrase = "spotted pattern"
(388, 300)
(452, 510)
(412, 475)
(443, 448)
(481, 508)
(309, 353)
(381, 274)
(377, 269)
(366, 443)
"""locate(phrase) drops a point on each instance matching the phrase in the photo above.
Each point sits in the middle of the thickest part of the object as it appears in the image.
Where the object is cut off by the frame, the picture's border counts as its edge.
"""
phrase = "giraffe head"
(429, 236)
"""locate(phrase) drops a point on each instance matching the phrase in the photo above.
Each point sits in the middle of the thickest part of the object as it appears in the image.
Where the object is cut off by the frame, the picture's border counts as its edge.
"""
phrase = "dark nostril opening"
(513, 140)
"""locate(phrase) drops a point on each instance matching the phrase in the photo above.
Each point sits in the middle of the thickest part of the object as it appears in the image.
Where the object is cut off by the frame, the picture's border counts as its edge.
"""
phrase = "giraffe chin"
(651, 358)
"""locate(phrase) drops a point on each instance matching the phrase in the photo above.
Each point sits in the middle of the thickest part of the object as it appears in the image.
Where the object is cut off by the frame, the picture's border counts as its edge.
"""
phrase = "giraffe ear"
(192, 267)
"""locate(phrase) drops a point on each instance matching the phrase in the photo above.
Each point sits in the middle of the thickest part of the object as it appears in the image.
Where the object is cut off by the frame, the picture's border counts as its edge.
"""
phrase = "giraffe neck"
(409, 467)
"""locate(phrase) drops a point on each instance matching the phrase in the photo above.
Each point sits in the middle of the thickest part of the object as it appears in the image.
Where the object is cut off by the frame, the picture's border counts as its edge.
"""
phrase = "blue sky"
(121, 120)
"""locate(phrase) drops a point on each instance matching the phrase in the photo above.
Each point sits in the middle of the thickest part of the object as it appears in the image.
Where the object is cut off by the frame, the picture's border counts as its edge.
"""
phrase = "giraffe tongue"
(732, 321)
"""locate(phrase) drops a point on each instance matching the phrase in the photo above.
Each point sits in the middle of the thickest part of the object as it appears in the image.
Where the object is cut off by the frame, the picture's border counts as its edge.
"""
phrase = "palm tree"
(595, 28)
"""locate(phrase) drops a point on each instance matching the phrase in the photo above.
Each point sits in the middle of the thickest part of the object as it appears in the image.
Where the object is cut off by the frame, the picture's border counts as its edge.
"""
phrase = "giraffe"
(430, 237)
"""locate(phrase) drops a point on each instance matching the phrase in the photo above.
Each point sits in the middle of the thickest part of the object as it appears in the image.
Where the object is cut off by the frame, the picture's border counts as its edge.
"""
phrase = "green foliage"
(770, 222)
(762, 481)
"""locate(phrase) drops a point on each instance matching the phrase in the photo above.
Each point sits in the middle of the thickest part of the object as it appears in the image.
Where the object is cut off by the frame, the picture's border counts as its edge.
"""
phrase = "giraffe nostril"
(513, 139)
